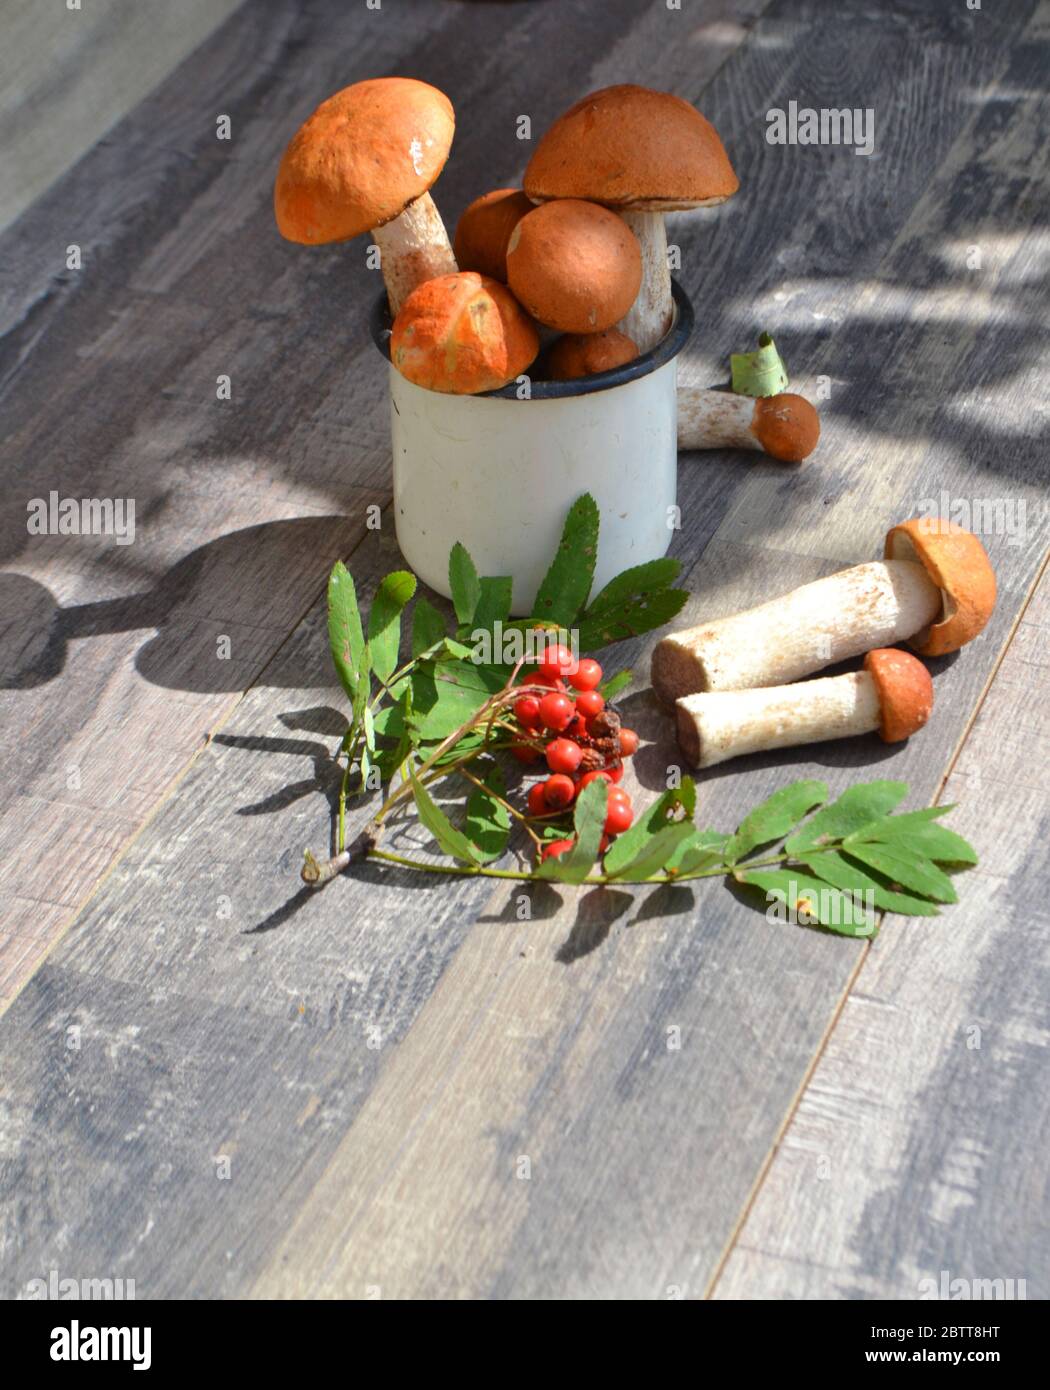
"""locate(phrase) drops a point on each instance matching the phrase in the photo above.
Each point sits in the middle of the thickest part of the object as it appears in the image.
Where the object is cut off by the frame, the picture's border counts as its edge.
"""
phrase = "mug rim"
(669, 346)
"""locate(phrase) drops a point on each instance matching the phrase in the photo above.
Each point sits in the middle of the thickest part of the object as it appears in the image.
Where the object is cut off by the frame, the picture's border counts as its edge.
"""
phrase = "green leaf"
(345, 635)
(840, 872)
(677, 802)
(384, 621)
(611, 688)
(640, 581)
(451, 840)
(568, 581)
(589, 824)
(638, 616)
(493, 603)
(488, 820)
(775, 817)
(464, 583)
(810, 898)
(758, 373)
(934, 841)
(857, 806)
(447, 695)
(428, 627)
(906, 867)
(656, 853)
(704, 851)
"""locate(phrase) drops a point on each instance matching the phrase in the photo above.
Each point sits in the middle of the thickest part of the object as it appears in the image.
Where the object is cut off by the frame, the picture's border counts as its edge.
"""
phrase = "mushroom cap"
(462, 334)
(958, 564)
(905, 691)
(575, 266)
(582, 354)
(361, 158)
(786, 426)
(484, 230)
(632, 148)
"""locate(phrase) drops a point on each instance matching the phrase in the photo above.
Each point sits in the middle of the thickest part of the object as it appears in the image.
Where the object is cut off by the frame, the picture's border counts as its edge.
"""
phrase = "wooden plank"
(258, 1046)
(69, 71)
(915, 1146)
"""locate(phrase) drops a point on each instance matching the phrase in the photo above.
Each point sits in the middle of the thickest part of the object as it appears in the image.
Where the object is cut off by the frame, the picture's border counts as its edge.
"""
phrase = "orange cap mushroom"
(574, 266)
(643, 153)
(958, 564)
(905, 692)
(364, 161)
(462, 334)
(582, 354)
(786, 427)
(485, 228)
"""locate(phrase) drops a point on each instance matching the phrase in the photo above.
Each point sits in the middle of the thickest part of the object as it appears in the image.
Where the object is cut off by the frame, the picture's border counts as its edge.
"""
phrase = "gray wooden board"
(354, 1166)
(917, 1156)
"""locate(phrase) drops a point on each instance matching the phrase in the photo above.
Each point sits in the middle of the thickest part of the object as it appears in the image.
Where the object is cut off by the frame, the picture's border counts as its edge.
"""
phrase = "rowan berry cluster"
(588, 743)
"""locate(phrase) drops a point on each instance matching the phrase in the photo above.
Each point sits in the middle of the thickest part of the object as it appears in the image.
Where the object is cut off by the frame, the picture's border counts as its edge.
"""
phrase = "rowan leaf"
(844, 873)
(588, 824)
(345, 634)
(678, 802)
(451, 840)
(488, 820)
(640, 581)
(463, 582)
(493, 603)
(428, 627)
(935, 841)
(703, 851)
(775, 817)
(858, 806)
(812, 902)
(631, 619)
(611, 688)
(656, 853)
(384, 621)
(567, 583)
(907, 867)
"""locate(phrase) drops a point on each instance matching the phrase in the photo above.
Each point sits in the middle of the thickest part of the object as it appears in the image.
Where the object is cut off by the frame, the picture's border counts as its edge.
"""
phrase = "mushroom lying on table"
(485, 228)
(574, 266)
(935, 589)
(893, 694)
(462, 334)
(365, 161)
(786, 427)
(642, 153)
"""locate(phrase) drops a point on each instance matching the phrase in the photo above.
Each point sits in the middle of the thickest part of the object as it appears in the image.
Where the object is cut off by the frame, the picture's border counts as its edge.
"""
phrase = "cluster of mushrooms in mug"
(568, 277)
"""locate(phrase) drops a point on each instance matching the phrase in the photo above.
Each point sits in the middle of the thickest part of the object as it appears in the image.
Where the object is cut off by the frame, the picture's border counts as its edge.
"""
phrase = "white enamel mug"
(499, 474)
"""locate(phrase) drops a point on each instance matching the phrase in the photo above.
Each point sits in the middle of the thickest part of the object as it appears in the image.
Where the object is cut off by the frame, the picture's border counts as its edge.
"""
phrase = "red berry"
(527, 711)
(614, 772)
(556, 711)
(589, 703)
(587, 675)
(618, 817)
(576, 727)
(558, 791)
(628, 742)
(556, 847)
(618, 794)
(557, 661)
(563, 755)
(537, 801)
(525, 752)
(589, 777)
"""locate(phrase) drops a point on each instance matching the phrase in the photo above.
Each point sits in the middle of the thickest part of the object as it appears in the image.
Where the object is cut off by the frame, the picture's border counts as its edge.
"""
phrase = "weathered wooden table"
(216, 1085)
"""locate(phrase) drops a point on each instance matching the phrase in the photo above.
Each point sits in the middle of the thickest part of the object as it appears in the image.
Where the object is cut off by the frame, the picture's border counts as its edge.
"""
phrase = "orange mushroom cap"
(575, 266)
(905, 691)
(485, 228)
(958, 564)
(462, 334)
(786, 426)
(582, 354)
(632, 148)
(361, 158)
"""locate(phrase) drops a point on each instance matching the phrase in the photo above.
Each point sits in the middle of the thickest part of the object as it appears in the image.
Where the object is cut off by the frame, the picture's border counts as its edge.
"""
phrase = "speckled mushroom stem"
(786, 427)
(715, 727)
(650, 316)
(832, 619)
(413, 248)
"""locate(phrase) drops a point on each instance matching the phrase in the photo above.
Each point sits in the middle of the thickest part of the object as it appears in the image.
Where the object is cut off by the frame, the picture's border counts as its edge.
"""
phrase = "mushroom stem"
(649, 317)
(715, 727)
(413, 248)
(786, 427)
(870, 605)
